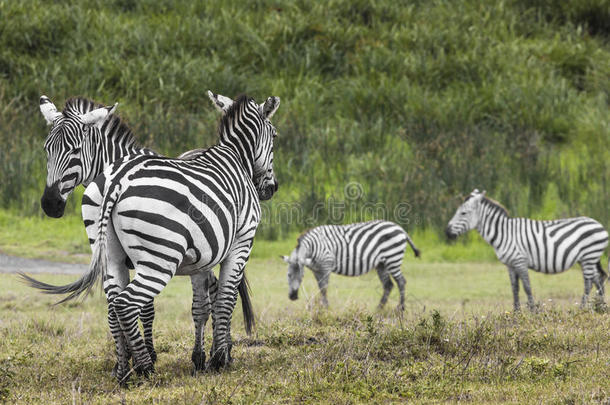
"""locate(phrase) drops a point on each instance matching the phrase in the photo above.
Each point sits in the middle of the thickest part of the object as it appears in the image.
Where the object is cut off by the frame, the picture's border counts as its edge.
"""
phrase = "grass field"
(456, 342)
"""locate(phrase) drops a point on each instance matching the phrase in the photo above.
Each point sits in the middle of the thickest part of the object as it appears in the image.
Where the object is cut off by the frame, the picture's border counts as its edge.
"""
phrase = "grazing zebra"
(351, 250)
(83, 140)
(172, 216)
(546, 246)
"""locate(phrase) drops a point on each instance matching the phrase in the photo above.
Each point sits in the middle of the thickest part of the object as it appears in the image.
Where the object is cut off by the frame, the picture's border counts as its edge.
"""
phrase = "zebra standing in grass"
(351, 250)
(545, 246)
(172, 216)
(84, 139)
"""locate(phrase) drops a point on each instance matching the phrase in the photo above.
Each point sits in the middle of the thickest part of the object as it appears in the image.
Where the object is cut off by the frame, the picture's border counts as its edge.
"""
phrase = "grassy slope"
(472, 350)
(418, 102)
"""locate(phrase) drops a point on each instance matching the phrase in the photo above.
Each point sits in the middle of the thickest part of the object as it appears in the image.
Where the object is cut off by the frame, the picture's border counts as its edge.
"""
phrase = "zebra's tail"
(97, 267)
(82, 285)
(602, 273)
(246, 304)
(415, 249)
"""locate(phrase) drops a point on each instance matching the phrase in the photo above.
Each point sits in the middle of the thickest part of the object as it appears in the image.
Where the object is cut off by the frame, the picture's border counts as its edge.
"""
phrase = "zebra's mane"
(120, 130)
(302, 236)
(229, 115)
(495, 204)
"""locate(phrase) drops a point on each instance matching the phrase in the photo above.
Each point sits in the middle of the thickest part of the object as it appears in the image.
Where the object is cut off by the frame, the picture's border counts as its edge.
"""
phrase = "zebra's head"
(296, 269)
(64, 148)
(256, 119)
(467, 215)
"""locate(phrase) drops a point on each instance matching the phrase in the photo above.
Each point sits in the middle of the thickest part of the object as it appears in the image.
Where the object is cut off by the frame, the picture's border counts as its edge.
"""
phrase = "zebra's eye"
(463, 213)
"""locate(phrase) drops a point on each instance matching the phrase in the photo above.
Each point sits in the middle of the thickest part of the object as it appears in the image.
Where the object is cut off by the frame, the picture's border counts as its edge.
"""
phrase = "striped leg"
(387, 284)
(147, 316)
(394, 270)
(115, 280)
(200, 311)
(514, 283)
(231, 273)
(590, 276)
(146, 284)
(322, 279)
(522, 272)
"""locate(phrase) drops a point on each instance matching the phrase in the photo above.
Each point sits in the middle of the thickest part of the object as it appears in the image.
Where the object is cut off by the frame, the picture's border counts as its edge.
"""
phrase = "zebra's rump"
(563, 243)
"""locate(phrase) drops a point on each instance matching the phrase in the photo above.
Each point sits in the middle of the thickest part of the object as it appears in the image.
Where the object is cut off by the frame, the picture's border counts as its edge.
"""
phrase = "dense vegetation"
(417, 102)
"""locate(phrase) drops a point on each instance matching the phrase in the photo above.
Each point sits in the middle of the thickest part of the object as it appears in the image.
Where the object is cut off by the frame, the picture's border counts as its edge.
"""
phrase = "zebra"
(173, 216)
(351, 250)
(84, 139)
(549, 247)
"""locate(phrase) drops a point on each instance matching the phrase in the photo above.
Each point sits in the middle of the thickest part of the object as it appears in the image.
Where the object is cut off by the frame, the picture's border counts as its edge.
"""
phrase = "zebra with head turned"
(546, 246)
(84, 139)
(172, 216)
(351, 250)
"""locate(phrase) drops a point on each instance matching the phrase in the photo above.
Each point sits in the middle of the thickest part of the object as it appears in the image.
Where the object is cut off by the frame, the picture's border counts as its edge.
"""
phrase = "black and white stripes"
(172, 217)
(351, 250)
(546, 246)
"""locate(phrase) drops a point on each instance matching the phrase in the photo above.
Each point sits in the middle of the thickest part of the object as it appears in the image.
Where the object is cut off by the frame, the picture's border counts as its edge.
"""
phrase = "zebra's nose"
(51, 202)
(276, 186)
(293, 295)
(450, 234)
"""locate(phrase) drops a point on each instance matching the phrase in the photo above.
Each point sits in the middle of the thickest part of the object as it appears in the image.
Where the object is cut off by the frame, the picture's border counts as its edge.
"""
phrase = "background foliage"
(418, 102)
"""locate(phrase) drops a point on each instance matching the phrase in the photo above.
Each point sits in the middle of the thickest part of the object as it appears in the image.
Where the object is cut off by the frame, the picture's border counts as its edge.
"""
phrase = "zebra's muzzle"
(450, 234)
(294, 295)
(51, 202)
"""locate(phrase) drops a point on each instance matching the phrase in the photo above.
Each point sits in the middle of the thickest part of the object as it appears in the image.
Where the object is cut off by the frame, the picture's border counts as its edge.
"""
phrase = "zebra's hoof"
(198, 358)
(153, 355)
(145, 369)
(219, 359)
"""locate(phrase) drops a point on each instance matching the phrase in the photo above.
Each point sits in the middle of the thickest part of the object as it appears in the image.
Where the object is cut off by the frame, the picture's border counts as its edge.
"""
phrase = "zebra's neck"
(237, 132)
(493, 219)
(112, 142)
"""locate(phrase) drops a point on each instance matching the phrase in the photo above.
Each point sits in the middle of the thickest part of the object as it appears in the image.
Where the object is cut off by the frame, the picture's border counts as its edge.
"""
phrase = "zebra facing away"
(546, 246)
(172, 217)
(84, 139)
(351, 250)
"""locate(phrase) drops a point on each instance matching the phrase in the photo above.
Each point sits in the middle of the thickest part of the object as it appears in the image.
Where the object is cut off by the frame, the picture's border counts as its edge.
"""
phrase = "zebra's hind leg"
(590, 276)
(115, 280)
(147, 316)
(387, 284)
(396, 274)
(201, 312)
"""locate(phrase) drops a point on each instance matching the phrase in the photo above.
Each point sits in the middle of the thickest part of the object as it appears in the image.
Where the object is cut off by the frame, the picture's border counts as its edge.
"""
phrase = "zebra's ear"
(98, 116)
(483, 192)
(285, 258)
(48, 110)
(221, 102)
(269, 107)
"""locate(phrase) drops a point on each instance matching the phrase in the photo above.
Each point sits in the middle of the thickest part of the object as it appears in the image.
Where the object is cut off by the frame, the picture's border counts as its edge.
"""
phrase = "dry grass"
(446, 348)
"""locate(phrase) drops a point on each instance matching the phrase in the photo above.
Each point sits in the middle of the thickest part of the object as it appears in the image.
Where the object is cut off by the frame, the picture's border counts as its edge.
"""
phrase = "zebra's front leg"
(147, 317)
(514, 283)
(525, 279)
(201, 312)
(231, 273)
(322, 279)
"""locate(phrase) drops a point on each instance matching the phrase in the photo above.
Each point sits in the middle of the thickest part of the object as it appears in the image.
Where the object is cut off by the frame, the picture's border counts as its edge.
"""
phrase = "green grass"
(456, 342)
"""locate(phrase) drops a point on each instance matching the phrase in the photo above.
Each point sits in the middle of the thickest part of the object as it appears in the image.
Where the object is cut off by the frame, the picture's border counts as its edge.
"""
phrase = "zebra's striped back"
(354, 249)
